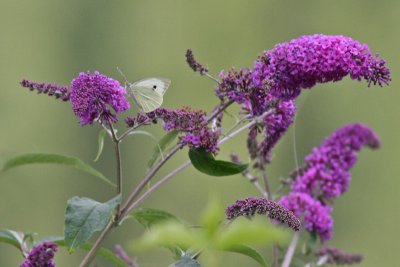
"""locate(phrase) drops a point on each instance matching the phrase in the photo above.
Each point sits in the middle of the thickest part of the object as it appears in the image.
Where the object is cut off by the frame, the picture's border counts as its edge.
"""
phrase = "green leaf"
(244, 232)
(13, 238)
(85, 216)
(161, 147)
(212, 217)
(171, 234)
(41, 158)
(149, 217)
(102, 252)
(206, 163)
(100, 140)
(186, 262)
(248, 251)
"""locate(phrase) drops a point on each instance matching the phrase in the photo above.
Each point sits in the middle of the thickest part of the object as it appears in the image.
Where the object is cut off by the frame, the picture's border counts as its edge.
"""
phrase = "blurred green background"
(55, 40)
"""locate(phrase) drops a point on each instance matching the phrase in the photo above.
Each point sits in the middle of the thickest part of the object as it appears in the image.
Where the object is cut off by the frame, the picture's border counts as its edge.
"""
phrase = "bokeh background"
(55, 40)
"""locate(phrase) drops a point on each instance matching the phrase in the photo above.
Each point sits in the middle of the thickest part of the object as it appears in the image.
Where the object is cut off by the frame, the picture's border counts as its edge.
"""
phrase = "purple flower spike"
(51, 89)
(305, 61)
(317, 217)
(93, 94)
(41, 256)
(327, 169)
(339, 257)
(251, 206)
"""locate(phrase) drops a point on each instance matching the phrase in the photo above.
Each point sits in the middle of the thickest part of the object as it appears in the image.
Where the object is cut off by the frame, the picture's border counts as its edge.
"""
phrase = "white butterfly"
(148, 93)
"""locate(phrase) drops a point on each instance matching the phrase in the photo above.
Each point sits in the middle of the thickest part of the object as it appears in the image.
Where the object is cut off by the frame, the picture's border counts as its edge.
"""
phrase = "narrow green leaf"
(206, 163)
(41, 158)
(102, 252)
(13, 238)
(250, 252)
(186, 262)
(161, 147)
(85, 216)
(100, 140)
(149, 217)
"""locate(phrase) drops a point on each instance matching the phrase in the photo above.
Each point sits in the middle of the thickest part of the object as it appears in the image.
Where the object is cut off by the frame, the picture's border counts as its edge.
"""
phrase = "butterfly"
(148, 93)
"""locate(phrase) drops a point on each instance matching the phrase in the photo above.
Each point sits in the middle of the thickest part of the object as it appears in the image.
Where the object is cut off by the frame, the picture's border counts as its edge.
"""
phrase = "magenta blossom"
(305, 61)
(94, 95)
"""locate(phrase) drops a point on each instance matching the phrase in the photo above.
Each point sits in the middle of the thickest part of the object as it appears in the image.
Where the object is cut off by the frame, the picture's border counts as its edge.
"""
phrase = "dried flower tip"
(51, 89)
(339, 257)
(42, 255)
(275, 211)
(194, 64)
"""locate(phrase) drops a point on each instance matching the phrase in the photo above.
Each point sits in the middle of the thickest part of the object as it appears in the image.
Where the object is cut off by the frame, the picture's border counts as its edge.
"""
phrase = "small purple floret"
(316, 216)
(41, 256)
(327, 169)
(305, 61)
(92, 96)
(250, 206)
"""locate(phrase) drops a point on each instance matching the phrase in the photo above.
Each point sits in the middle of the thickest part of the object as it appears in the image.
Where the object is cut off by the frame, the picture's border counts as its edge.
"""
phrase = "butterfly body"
(148, 93)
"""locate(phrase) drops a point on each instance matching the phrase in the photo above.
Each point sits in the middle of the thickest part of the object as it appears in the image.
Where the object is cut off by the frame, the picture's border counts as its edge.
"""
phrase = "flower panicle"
(96, 97)
(193, 123)
(251, 206)
(339, 257)
(303, 62)
(62, 92)
(41, 255)
(317, 217)
(326, 172)
(194, 64)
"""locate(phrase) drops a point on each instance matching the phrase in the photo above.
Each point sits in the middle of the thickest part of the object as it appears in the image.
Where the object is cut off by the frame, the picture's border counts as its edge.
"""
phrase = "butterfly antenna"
(123, 75)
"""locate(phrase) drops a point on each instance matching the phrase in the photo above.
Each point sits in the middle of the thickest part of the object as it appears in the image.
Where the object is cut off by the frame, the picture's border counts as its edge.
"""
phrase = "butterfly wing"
(148, 93)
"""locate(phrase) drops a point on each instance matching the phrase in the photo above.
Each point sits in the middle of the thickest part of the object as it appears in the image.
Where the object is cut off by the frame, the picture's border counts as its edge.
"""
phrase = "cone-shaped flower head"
(94, 95)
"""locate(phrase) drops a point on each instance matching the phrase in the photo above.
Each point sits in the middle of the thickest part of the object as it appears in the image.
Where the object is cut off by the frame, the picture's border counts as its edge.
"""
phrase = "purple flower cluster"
(250, 206)
(51, 89)
(192, 123)
(238, 86)
(316, 216)
(93, 94)
(275, 126)
(339, 257)
(305, 61)
(41, 256)
(326, 175)
(326, 171)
